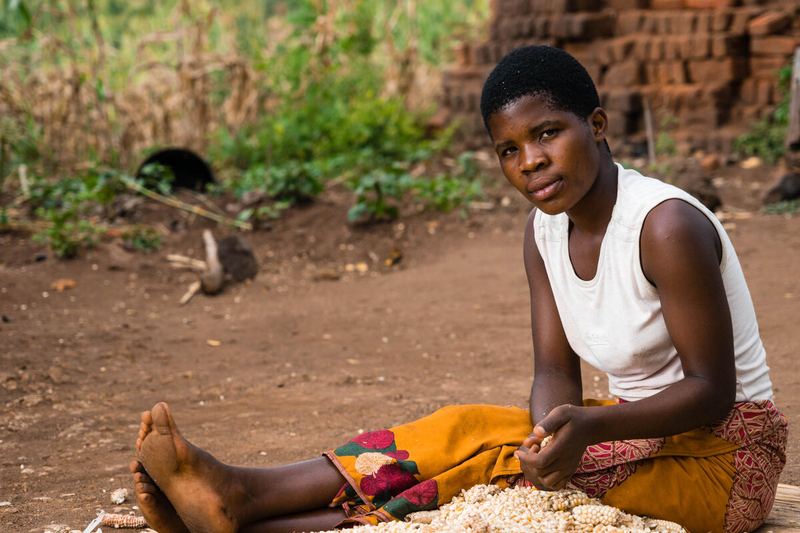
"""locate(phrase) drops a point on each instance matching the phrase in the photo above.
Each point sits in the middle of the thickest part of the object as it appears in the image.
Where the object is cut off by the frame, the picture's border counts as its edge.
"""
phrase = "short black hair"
(542, 71)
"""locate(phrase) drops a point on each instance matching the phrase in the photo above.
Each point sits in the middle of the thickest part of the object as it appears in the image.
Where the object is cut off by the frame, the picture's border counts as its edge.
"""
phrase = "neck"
(593, 213)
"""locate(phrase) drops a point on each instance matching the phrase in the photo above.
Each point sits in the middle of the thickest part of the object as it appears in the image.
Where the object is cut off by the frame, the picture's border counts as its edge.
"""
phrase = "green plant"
(785, 207)
(264, 212)
(157, 177)
(374, 189)
(767, 135)
(447, 191)
(143, 239)
(66, 234)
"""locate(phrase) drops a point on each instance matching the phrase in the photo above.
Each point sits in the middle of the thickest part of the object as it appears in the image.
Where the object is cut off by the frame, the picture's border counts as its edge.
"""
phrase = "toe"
(135, 466)
(147, 418)
(145, 499)
(162, 419)
(142, 477)
(146, 488)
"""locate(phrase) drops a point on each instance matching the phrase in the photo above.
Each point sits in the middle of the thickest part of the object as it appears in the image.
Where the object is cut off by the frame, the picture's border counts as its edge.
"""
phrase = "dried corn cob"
(123, 520)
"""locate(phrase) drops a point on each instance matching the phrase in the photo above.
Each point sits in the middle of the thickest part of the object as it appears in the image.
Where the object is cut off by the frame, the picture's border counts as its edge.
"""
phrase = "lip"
(547, 189)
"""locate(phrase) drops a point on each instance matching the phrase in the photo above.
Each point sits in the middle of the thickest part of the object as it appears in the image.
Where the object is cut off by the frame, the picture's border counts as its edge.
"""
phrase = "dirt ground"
(295, 363)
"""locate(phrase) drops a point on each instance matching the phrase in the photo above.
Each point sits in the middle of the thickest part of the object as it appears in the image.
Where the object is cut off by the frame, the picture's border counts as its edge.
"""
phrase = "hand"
(551, 468)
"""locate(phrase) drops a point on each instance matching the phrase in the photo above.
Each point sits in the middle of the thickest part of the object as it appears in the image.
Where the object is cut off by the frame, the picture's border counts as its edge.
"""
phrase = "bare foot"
(192, 480)
(154, 505)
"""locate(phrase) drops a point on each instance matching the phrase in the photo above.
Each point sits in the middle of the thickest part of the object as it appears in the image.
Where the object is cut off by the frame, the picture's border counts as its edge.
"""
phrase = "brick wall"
(708, 67)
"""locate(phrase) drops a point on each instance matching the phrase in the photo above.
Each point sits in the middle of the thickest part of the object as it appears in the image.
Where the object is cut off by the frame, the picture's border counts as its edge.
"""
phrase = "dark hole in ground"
(190, 170)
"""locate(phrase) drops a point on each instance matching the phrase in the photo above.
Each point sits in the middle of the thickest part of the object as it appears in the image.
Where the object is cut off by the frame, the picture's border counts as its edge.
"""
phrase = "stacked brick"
(708, 68)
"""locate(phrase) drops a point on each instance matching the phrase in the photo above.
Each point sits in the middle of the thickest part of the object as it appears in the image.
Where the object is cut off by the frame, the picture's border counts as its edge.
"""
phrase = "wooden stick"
(793, 131)
(194, 288)
(172, 202)
(651, 137)
(23, 180)
(188, 262)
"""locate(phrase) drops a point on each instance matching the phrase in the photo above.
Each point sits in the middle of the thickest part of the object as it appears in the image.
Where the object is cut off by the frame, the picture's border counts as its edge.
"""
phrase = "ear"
(598, 124)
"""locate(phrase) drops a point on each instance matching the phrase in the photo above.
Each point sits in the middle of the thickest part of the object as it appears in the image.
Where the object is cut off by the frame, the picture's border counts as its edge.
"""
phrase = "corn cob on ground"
(490, 509)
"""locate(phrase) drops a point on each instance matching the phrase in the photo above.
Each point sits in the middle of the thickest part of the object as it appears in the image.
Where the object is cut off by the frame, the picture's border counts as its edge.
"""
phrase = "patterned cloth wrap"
(717, 478)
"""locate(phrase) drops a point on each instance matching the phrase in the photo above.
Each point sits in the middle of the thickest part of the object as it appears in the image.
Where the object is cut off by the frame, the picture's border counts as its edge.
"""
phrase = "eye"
(508, 151)
(546, 134)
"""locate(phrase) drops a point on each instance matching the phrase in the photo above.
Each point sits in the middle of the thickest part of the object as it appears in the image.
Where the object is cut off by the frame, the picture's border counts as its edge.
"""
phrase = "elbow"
(722, 398)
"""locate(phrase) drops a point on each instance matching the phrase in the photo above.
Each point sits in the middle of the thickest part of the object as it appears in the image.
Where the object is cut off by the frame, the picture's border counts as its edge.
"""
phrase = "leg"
(212, 497)
(318, 520)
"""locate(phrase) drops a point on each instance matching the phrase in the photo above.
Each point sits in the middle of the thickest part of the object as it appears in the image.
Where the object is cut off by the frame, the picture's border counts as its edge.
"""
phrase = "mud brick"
(709, 117)
(769, 22)
(641, 50)
(667, 4)
(672, 48)
(728, 45)
(473, 101)
(629, 22)
(511, 8)
(657, 47)
(704, 4)
(560, 26)
(587, 26)
(767, 67)
(621, 124)
(483, 54)
(624, 74)
(687, 22)
(703, 22)
(741, 18)
(747, 91)
(583, 52)
(677, 71)
(624, 100)
(783, 45)
(544, 28)
(650, 73)
(763, 92)
(594, 69)
(717, 70)
(621, 48)
(686, 46)
(649, 24)
(718, 93)
(663, 23)
(721, 21)
(701, 46)
(623, 5)
(461, 54)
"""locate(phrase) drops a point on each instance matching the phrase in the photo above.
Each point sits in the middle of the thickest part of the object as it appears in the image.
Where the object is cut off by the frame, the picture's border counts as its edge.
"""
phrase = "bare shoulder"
(676, 235)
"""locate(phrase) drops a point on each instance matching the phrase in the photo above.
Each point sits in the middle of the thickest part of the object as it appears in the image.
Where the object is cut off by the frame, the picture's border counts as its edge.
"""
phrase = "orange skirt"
(718, 478)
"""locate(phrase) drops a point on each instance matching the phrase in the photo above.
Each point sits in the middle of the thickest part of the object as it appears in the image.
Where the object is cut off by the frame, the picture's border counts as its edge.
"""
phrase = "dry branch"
(173, 202)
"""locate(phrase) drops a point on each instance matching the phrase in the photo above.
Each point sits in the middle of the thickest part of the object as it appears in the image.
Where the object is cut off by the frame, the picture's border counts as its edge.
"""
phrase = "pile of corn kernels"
(490, 509)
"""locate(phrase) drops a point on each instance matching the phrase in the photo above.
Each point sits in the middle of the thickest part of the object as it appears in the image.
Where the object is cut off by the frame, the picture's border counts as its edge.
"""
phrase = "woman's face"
(550, 156)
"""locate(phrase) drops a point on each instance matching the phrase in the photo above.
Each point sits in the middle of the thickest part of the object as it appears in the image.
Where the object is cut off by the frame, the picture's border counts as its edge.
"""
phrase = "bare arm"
(680, 255)
(557, 368)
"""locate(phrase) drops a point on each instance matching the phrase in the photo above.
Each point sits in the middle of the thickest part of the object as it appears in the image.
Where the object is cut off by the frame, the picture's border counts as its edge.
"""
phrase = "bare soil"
(293, 363)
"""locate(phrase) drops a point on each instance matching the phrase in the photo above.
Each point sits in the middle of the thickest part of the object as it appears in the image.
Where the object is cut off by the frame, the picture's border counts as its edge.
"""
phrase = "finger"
(530, 441)
(554, 420)
(553, 479)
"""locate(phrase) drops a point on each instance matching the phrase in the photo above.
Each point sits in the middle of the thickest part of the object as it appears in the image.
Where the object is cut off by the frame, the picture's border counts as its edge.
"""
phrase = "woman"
(630, 274)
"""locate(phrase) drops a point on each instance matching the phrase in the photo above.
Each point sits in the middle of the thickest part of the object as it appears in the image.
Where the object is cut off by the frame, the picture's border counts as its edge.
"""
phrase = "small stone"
(711, 163)
(119, 496)
(751, 162)
(57, 375)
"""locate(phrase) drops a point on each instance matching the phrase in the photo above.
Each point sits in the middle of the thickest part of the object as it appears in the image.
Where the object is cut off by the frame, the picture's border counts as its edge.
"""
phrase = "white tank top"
(614, 321)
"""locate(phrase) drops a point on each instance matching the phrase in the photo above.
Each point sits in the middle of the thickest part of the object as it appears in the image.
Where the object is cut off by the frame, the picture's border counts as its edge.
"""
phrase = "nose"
(533, 159)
